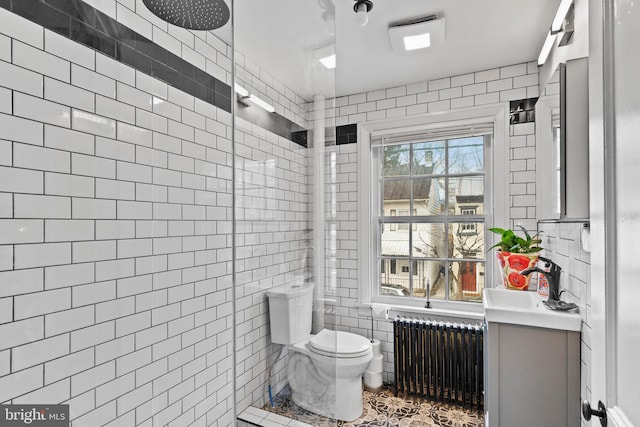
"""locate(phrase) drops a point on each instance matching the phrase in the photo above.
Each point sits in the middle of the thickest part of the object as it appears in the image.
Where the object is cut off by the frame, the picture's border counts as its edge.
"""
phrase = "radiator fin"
(440, 361)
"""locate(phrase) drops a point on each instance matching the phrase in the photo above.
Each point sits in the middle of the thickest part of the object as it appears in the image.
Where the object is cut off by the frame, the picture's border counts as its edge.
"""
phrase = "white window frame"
(497, 193)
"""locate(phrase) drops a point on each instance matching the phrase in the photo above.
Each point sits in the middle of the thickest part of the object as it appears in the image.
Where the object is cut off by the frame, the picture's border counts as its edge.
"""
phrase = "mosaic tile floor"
(384, 409)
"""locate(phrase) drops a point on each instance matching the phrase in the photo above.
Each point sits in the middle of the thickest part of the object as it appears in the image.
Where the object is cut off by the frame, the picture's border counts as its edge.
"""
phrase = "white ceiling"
(286, 37)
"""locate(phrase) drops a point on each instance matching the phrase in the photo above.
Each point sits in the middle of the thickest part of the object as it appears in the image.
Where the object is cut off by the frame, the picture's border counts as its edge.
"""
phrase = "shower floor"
(384, 409)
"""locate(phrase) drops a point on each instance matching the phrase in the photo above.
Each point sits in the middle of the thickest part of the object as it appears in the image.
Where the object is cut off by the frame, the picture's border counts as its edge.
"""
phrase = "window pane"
(466, 155)
(468, 239)
(466, 281)
(428, 196)
(428, 158)
(429, 241)
(396, 160)
(466, 193)
(429, 274)
(393, 282)
(394, 243)
(397, 196)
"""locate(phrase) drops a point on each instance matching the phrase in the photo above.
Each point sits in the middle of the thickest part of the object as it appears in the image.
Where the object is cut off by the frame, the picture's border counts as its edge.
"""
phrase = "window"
(435, 231)
(488, 123)
(470, 227)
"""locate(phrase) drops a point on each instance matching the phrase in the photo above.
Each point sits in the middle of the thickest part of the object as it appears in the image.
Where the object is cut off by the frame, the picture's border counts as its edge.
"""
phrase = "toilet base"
(338, 398)
(345, 405)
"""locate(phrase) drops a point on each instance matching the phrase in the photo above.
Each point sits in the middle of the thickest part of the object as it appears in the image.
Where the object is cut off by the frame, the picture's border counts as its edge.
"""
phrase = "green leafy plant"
(511, 242)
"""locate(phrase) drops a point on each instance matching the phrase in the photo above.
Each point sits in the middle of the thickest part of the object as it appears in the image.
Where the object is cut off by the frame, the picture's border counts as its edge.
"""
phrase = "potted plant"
(515, 254)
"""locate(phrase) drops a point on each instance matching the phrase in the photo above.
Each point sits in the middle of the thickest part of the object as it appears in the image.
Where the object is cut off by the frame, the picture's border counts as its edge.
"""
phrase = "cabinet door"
(562, 145)
(576, 131)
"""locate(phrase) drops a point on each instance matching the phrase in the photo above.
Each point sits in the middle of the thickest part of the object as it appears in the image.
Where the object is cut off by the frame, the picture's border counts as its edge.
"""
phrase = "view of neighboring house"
(440, 216)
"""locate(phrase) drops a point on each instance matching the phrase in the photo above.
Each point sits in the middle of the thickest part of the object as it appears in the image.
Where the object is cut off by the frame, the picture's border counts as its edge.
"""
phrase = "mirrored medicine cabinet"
(562, 144)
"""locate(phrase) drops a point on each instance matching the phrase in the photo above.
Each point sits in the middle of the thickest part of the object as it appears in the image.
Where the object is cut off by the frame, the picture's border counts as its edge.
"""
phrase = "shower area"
(157, 178)
(292, 181)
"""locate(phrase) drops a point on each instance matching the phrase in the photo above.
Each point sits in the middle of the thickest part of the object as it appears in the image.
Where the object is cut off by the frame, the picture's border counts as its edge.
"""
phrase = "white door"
(615, 150)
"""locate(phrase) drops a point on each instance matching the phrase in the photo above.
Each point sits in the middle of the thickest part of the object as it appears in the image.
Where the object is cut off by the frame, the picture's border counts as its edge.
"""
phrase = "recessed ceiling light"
(419, 41)
(329, 61)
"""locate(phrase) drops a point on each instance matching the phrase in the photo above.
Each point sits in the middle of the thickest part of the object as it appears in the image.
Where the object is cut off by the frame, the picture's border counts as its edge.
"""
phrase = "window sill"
(396, 310)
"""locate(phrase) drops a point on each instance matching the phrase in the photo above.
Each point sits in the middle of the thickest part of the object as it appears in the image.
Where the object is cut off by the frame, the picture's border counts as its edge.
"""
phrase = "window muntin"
(435, 192)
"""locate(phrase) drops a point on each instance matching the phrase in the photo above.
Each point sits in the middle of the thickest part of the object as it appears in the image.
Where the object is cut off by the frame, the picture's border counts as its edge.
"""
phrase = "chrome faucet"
(553, 277)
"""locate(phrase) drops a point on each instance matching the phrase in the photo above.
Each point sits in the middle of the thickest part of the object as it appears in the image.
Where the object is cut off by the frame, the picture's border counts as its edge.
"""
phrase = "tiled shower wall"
(562, 242)
(498, 85)
(259, 82)
(115, 237)
(272, 248)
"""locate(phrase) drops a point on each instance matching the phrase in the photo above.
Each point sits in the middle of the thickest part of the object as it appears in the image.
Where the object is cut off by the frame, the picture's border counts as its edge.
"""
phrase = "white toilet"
(325, 370)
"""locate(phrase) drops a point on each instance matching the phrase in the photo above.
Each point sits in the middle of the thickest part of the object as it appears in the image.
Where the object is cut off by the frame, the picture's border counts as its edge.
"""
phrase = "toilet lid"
(348, 344)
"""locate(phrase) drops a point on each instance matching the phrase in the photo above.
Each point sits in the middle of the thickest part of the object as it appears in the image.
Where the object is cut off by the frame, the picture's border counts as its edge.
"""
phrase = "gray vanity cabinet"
(532, 376)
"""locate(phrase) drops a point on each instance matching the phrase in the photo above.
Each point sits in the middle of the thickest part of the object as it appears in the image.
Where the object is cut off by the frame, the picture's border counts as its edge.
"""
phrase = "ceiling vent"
(417, 34)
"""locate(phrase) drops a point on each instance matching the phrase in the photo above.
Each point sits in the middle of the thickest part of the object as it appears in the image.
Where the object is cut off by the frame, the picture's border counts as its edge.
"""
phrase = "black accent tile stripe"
(300, 138)
(347, 134)
(272, 122)
(86, 25)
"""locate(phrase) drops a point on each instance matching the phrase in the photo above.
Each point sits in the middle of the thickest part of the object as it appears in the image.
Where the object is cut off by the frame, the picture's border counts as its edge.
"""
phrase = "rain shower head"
(191, 14)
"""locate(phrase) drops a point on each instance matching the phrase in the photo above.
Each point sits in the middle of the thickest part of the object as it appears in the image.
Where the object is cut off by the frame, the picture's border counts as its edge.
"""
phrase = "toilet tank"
(290, 312)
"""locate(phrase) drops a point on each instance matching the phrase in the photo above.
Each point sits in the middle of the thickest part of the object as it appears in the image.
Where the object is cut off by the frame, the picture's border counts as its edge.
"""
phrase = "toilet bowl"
(324, 370)
(325, 373)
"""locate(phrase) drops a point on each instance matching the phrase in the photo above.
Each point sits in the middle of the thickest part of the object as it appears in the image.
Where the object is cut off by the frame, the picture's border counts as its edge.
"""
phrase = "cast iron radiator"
(439, 360)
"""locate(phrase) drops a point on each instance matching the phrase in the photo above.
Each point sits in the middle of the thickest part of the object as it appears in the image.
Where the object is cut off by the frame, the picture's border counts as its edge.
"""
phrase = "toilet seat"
(339, 344)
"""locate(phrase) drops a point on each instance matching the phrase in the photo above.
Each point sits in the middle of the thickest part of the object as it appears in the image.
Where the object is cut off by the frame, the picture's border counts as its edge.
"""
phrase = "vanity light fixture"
(244, 95)
(561, 13)
(546, 48)
(562, 24)
(329, 61)
(362, 9)
(417, 33)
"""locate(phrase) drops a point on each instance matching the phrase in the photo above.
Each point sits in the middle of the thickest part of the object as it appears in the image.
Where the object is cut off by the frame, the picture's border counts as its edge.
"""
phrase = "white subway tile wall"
(272, 248)
(258, 82)
(115, 213)
(474, 89)
(562, 242)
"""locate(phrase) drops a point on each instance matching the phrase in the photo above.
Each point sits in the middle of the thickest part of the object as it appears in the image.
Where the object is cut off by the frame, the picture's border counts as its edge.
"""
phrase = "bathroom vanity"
(532, 362)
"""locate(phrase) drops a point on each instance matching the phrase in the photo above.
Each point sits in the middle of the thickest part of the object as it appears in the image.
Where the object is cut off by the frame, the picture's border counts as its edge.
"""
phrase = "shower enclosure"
(285, 167)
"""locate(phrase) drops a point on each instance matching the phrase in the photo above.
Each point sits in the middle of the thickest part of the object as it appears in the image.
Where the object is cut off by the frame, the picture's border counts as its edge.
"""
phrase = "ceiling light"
(261, 103)
(561, 13)
(329, 61)
(362, 9)
(417, 42)
(546, 49)
(417, 33)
